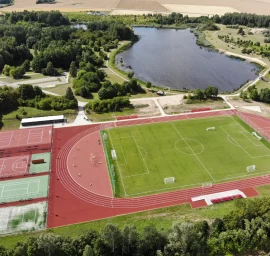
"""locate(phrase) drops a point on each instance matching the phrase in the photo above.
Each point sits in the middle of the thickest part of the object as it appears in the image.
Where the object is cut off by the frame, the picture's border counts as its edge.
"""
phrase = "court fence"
(109, 164)
(23, 197)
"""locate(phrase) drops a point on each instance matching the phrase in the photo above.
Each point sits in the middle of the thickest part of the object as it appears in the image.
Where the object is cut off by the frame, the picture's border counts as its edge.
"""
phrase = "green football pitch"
(185, 150)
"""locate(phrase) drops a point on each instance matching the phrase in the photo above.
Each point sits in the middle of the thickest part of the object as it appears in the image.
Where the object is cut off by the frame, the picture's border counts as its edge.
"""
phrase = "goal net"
(207, 185)
(105, 136)
(114, 156)
(251, 168)
(210, 128)
(169, 180)
(256, 135)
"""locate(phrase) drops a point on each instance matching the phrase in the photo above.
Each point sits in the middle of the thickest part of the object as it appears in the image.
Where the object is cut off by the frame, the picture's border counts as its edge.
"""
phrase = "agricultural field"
(185, 150)
(189, 7)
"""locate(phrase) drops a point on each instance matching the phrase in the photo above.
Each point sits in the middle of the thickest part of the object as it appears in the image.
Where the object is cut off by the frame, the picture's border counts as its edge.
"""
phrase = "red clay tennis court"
(14, 166)
(24, 140)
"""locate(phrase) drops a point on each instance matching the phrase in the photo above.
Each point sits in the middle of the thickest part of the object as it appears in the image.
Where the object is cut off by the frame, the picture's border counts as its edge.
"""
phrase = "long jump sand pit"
(199, 10)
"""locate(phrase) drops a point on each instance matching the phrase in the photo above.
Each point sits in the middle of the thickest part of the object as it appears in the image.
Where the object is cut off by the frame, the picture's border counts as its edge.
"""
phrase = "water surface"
(171, 58)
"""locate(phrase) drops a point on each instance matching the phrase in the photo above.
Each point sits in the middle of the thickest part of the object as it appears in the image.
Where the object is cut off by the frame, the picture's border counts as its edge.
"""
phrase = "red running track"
(70, 203)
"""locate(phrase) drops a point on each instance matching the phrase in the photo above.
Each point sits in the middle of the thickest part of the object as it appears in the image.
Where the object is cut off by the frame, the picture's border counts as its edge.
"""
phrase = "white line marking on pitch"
(256, 145)
(141, 155)
(117, 166)
(240, 145)
(193, 152)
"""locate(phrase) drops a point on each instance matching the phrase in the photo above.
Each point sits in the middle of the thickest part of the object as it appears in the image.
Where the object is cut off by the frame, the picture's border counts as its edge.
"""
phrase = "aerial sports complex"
(52, 177)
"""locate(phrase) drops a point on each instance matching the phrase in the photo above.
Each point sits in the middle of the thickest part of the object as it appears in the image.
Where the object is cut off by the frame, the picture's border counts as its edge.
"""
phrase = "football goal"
(210, 128)
(114, 156)
(251, 168)
(256, 135)
(105, 136)
(169, 180)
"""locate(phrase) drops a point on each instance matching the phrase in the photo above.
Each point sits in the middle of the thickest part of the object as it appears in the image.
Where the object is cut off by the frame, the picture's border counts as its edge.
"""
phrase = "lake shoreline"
(126, 67)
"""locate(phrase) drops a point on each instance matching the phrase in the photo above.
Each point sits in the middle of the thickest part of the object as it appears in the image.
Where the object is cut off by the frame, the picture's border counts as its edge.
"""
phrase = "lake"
(171, 58)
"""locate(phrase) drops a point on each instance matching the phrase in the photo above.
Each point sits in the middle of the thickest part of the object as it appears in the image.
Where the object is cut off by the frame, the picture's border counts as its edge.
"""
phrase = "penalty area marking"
(141, 155)
(236, 143)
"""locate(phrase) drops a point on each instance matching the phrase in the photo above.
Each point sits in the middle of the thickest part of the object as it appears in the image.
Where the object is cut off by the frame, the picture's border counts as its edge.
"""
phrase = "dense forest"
(243, 231)
(44, 42)
(244, 19)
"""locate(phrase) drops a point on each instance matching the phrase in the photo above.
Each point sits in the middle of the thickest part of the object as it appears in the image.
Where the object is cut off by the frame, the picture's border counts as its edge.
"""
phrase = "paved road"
(81, 118)
(41, 82)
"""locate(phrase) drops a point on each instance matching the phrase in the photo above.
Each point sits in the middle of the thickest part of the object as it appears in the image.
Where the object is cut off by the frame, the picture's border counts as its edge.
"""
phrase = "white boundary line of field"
(193, 151)
(35, 133)
(232, 179)
(255, 144)
(146, 153)
(17, 159)
(4, 139)
(120, 149)
(2, 187)
(120, 171)
(143, 158)
(141, 155)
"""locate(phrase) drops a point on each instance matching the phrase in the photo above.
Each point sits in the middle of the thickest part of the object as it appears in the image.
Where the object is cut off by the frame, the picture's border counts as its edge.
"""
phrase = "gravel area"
(238, 103)
(176, 104)
(146, 108)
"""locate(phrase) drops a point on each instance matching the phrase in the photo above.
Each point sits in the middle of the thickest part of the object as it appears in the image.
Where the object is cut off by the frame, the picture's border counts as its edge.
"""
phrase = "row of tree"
(253, 93)
(27, 95)
(209, 93)
(51, 18)
(243, 231)
(109, 90)
(109, 105)
(244, 19)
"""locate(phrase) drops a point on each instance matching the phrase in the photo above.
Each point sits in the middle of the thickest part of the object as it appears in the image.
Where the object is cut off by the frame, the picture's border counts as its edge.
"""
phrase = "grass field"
(146, 154)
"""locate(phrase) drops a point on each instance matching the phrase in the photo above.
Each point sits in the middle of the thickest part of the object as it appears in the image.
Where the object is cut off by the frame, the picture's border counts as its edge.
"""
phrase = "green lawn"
(110, 115)
(59, 89)
(27, 77)
(262, 84)
(146, 154)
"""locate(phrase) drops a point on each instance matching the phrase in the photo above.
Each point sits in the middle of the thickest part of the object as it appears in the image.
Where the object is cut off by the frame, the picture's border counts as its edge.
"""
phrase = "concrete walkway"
(160, 108)
(42, 82)
(107, 65)
(81, 118)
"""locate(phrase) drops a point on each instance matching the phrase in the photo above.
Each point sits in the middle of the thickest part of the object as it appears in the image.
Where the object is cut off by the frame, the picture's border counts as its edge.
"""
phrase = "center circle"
(189, 146)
